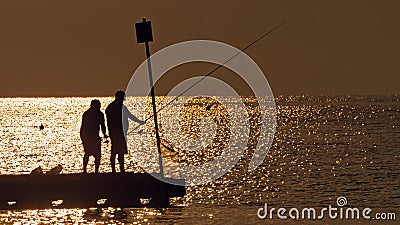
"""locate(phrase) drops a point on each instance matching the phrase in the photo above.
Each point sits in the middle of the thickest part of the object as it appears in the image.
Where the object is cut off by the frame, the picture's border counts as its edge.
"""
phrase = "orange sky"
(88, 48)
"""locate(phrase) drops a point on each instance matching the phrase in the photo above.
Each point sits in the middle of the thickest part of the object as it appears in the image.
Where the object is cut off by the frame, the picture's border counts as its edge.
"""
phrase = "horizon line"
(275, 96)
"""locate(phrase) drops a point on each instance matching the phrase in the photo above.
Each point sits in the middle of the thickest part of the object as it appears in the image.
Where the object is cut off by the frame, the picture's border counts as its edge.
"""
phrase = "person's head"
(95, 104)
(120, 95)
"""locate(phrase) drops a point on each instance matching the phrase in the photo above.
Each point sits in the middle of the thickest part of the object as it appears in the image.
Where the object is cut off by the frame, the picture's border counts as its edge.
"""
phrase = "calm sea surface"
(324, 147)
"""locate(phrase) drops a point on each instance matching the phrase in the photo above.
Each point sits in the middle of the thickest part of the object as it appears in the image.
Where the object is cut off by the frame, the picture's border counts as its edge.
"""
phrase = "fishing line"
(215, 69)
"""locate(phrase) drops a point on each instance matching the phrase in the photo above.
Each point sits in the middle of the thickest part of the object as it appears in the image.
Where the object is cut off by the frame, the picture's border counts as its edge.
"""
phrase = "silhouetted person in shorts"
(92, 120)
(117, 123)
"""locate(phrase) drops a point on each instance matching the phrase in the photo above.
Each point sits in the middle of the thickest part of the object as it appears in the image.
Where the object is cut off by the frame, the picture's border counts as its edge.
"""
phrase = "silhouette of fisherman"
(117, 123)
(92, 120)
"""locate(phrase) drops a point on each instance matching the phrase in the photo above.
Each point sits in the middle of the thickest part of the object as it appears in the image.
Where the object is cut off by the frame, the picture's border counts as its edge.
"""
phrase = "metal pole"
(153, 100)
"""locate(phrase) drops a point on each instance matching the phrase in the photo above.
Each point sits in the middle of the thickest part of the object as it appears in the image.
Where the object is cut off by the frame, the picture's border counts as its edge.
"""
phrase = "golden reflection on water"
(28, 147)
(79, 216)
(324, 147)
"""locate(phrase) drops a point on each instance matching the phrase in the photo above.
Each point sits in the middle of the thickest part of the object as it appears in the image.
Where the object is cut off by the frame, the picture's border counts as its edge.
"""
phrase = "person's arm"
(103, 126)
(131, 116)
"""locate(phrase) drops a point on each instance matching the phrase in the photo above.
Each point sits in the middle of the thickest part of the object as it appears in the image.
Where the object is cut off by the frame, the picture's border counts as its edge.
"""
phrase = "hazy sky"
(88, 48)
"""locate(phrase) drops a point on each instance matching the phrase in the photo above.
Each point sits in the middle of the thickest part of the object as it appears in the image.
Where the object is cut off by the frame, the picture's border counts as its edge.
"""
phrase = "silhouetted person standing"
(117, 123)
(92, 120)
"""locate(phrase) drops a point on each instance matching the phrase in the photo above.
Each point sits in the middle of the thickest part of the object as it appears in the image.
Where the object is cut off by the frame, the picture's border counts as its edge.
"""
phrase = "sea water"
(324, 147)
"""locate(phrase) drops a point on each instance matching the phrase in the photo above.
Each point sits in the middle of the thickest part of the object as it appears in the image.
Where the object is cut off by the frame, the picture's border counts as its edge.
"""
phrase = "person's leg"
(112, 159)
(85, 161)
(97, 155)
(121, 161)
(97, 158)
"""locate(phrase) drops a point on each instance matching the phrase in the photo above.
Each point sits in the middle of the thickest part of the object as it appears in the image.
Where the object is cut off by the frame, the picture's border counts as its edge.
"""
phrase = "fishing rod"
(215, 69)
